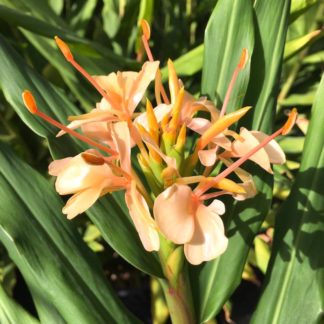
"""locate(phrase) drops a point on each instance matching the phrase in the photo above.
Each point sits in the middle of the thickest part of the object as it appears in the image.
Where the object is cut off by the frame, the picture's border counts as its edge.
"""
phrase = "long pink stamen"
(145, 38)
(30, 103)
(214, 195)
(240, 66)
(69, 57)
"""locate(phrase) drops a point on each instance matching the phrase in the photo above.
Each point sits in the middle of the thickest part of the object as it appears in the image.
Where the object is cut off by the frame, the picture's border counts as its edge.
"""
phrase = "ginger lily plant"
(186, 154)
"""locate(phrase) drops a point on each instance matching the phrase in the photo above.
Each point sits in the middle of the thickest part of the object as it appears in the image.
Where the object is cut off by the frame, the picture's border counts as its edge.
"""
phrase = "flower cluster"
(171, 202)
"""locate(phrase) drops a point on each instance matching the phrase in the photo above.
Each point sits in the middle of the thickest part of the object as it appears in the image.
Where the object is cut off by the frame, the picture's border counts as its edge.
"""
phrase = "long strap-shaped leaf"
(11, 312)
(218, 279)
(114, 223)
(295, 278)
(48, 250)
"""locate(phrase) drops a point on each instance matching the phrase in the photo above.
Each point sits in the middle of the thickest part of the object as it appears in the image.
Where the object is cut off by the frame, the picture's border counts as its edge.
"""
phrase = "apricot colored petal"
(57, 166)
(240, 148)
(121, 137)
(81, 201)
(273, 149)
(208, 241)
(144, 78)
(142, 220)
(94, 116)
(109, 83)
(174, 211)
(79, 175)
(207, 157)
(199, 125)
(98, 131)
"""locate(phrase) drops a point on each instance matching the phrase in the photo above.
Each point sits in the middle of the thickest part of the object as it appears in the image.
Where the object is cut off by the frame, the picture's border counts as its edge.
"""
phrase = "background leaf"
(293, 290)
(215, 281)
(70, 279)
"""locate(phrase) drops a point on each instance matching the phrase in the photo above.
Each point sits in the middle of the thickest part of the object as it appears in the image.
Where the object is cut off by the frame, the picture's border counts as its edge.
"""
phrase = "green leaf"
(11, 312)
(44, 28)
(215, 281)
(109, 214)
(298, 7)
(296, 45)
(293, 291)
(187, 64)
(47, 249)
(316, 58)
(56, 5)
(82, 16)
(262, 254)
(292, 144)
(111, 16)
(229, 31)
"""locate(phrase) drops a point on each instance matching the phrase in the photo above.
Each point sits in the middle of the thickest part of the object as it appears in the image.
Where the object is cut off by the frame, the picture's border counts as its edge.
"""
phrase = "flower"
(86, 181)
(271, 153)
(184, 219)
(124, 90)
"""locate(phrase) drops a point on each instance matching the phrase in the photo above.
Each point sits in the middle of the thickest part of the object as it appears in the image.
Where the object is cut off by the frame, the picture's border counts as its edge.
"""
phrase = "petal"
(98, 131)
(207, 157)
(121, 137)
(79, 175)
(81, 201)
(174, 211)
(273, 149)
(240, 148)
(144, 77)
(142, 220)
(199, 125)
(208, 241)
(58, 166)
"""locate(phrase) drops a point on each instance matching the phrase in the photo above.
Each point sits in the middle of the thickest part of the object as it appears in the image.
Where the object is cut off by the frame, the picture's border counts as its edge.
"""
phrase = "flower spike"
(31, 105)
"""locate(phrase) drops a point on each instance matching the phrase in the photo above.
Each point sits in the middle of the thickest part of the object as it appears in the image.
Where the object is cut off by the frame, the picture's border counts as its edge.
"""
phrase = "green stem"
(176, 286)
(179, 301)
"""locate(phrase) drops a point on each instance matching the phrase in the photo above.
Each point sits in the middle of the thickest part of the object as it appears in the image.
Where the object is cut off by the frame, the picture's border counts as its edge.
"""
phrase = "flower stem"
(176, 284)
(179, 300)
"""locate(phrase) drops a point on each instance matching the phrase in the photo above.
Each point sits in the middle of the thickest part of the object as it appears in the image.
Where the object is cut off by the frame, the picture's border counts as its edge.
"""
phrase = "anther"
(29, 101)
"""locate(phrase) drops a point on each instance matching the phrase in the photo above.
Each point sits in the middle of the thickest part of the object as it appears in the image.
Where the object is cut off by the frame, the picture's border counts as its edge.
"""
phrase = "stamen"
(190, 180)
(214, 195)
(31, 105)
(158, 82)
(283, 130)
(292, 117)
(29, 101)
(240, 66)
(69, 57)
(64, 49)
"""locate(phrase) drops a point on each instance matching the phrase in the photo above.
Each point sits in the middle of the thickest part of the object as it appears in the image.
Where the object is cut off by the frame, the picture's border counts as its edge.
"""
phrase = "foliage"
(63, 275)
